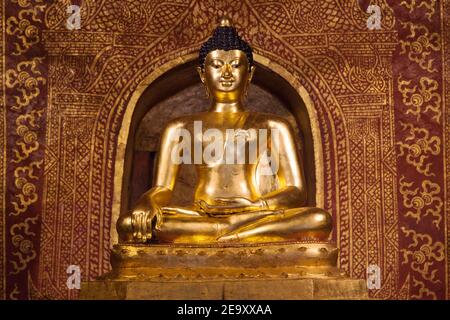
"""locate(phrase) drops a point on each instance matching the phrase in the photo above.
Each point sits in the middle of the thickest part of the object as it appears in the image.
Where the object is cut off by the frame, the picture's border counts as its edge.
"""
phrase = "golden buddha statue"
(233, 234)
(228, 207)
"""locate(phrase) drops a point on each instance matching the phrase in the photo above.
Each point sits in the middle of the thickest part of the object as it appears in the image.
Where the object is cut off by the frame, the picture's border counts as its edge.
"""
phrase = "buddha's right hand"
(143, 217)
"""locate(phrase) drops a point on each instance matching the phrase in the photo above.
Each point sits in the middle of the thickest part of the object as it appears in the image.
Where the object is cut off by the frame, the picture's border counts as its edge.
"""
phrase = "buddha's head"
(226, 64)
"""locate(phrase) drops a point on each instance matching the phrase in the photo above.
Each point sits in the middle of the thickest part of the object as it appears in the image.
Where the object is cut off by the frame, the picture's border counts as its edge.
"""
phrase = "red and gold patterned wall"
(381, 99)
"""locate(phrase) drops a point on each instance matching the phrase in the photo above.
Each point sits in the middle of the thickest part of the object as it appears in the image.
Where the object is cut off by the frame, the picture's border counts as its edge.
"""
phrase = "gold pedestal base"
(262, 289)
(217, 262)
(293, 270)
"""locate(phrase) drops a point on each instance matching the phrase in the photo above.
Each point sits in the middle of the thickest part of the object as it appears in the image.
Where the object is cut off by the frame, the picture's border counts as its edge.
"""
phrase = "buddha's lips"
(227, 83)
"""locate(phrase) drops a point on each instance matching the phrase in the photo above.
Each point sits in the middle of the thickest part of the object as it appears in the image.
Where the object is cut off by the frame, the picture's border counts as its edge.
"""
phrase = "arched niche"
(165, 94)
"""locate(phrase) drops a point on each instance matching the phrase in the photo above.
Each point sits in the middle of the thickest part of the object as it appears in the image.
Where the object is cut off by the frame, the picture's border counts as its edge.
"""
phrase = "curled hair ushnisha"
(225, 38)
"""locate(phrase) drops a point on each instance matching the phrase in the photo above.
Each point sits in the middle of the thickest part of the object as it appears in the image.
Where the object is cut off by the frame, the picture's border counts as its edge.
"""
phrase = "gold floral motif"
(422, 253)
(22, 27)
(423, 99)
(421, 45)
(27, 195)
(25, 251)
(26, 3)
(424, 292)
(417, 146)
(426, 199)
(26, 128)
(29, 143)
(14, 293)
(427, 4)
(371, 78)
(26, 79)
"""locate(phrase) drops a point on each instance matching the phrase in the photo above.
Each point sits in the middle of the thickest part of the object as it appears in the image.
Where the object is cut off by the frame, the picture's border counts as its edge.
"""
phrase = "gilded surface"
(228, 205)
(253, 289)
(374, 92)
(236, 261)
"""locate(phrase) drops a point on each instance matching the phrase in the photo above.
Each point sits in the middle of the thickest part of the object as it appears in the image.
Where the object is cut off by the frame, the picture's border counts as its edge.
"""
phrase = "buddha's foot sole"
(292, 260)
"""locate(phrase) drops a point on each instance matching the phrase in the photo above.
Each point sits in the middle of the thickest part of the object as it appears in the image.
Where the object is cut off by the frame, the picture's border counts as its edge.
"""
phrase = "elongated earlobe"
(247, 85)
(252, 72)
(201, 74)
(208, 95)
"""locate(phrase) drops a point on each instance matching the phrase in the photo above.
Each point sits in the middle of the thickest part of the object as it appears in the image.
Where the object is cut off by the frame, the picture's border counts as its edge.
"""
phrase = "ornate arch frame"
(95, 71)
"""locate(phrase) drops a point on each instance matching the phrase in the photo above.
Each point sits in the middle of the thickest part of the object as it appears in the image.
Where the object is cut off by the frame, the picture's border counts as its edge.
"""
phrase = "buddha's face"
(226, 74)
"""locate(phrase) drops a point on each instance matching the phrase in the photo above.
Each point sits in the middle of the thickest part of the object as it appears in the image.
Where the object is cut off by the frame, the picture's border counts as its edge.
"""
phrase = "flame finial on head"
(225, 22)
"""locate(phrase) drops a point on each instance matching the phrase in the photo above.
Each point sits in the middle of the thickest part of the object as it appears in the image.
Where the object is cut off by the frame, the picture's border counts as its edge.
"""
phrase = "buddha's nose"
(227, 71)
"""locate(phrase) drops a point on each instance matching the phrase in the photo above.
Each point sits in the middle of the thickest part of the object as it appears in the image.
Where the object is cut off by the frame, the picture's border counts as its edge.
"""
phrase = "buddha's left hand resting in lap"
(227, 205)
